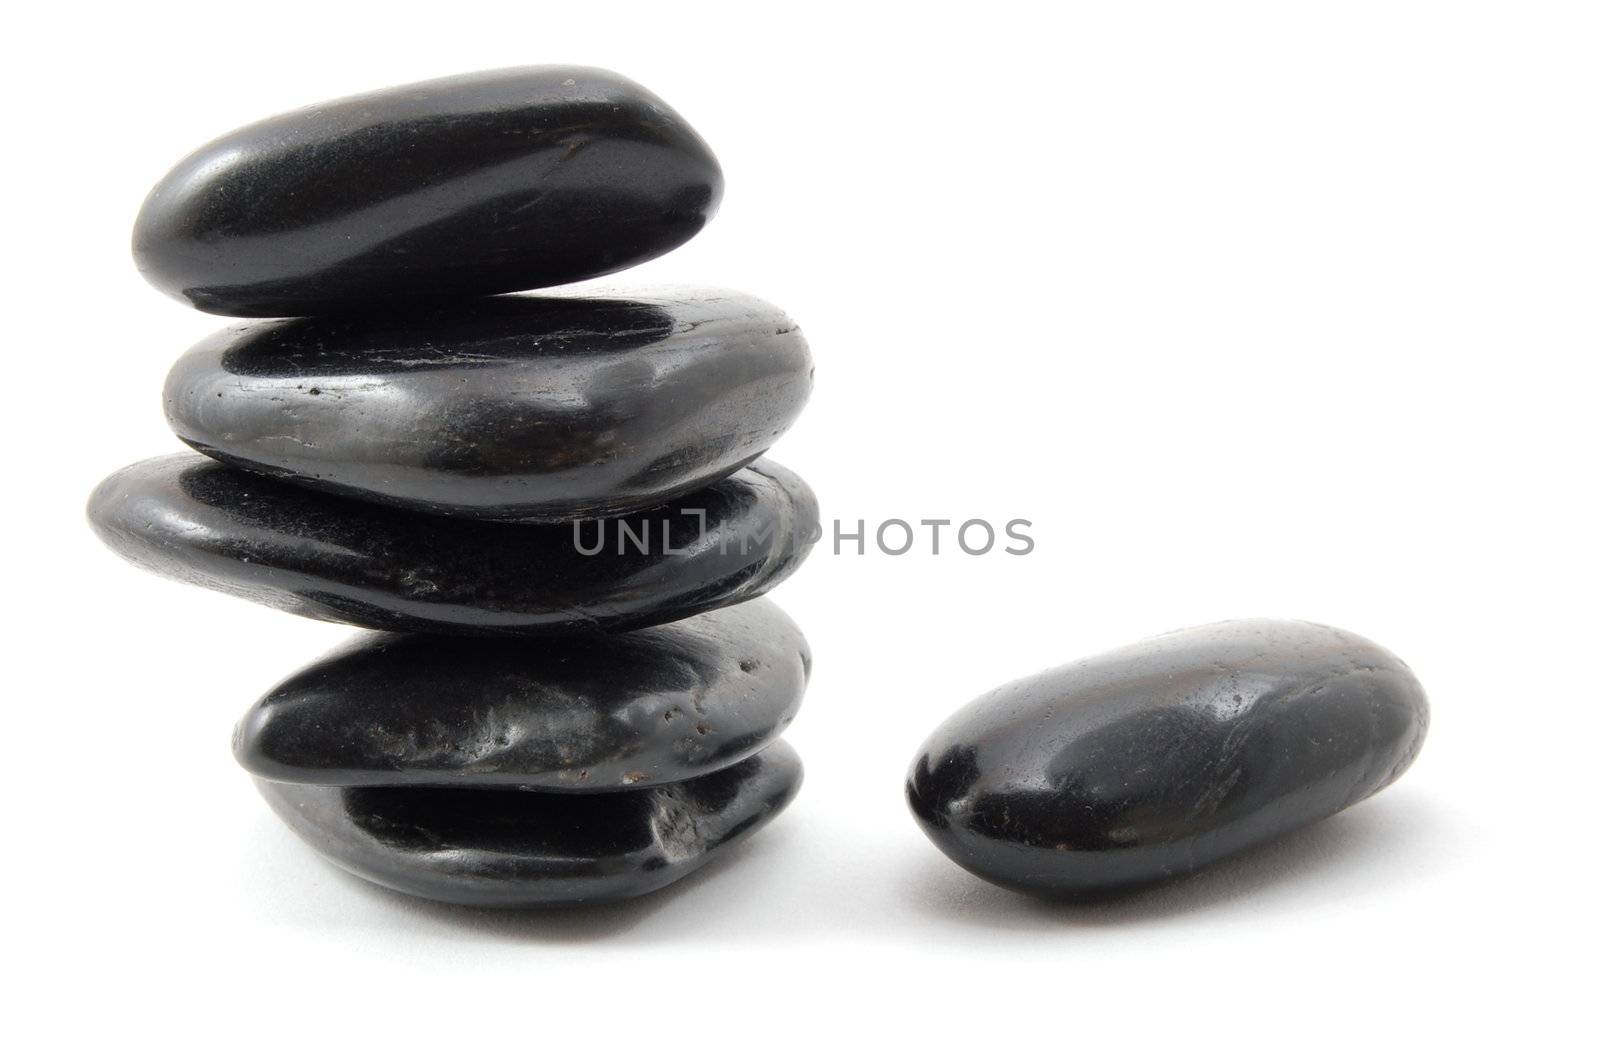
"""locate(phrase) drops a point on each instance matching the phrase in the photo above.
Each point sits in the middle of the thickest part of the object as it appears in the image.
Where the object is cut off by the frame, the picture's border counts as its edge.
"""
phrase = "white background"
(1253, 309)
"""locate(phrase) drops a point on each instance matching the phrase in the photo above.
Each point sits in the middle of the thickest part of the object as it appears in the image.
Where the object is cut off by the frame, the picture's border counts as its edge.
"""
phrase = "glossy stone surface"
(1156, 759)
(517, 407)
(338, 559)
(590, 713)
(516, 849)
(471, 185)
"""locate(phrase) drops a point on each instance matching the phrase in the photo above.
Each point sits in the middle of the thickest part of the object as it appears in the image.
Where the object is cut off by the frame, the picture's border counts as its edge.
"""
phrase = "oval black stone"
(589, 713)
(338, 559)
(516, 849)
(517, 407)
(1154, 760)
(471, 185)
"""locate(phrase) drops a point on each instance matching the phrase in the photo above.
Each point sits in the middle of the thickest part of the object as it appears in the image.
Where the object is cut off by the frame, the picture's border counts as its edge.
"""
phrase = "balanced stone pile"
(404, 449)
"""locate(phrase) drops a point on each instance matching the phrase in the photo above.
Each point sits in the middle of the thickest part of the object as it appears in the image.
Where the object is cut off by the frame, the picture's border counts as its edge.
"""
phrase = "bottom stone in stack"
(519, 849)
(535, 772)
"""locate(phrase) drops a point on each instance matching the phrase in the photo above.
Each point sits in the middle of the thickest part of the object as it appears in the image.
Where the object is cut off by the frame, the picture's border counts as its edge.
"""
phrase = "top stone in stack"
(474, 185)
(442, 427)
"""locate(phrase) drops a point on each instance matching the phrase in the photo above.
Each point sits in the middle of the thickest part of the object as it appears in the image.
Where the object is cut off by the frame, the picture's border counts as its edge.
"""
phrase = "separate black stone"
(1156, 759)
(471, 185)
(337, 559)
(516, 849)
(518, 407)
(590, 713)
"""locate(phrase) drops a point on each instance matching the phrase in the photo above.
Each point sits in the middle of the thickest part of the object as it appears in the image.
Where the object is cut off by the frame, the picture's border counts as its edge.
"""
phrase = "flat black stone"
(516, 849)
(516, 407)
(589, 713)
(1154, 760)
(338, 559)
(490, 182)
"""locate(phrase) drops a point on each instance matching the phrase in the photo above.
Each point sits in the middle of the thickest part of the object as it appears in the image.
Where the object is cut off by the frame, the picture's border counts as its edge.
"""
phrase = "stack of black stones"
(554, 509)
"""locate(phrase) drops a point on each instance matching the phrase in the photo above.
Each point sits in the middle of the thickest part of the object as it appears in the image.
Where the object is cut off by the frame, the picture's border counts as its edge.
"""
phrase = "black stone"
(517, 407)
(1151, 761)
(490, 182)
(589, 713)
(516, 849)
(338, 559)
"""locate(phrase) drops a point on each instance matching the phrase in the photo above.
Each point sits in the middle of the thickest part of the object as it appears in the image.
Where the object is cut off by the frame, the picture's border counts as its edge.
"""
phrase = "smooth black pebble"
(1151, 761)
(470, 185)
(517, 849)
(518, 407)
(337, 559)
(585, 714)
